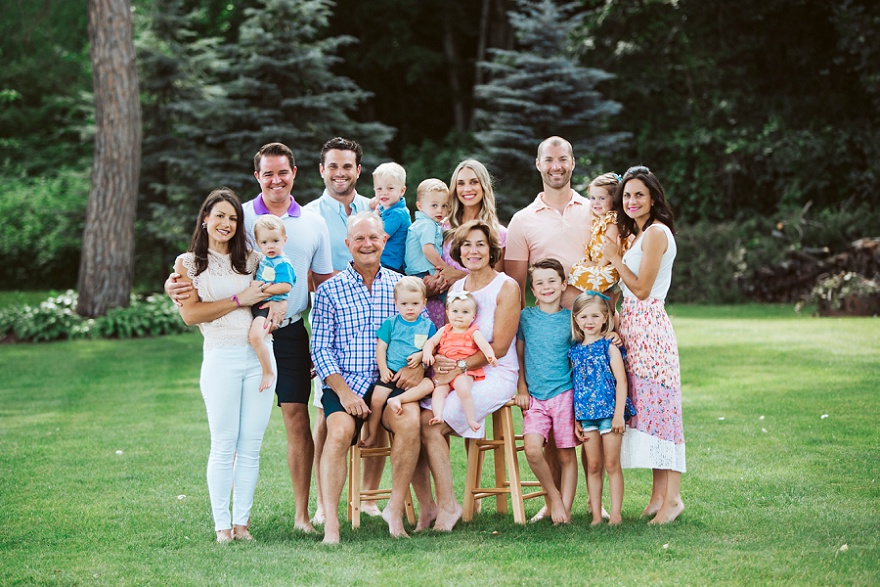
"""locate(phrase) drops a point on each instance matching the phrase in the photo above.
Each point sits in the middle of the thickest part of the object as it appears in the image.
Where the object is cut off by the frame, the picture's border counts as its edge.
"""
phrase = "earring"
(204, 225)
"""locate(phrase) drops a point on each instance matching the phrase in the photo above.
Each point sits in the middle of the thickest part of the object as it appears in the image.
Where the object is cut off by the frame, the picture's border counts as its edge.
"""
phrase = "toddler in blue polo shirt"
(424, 240)
(389, 184)
(278, 277)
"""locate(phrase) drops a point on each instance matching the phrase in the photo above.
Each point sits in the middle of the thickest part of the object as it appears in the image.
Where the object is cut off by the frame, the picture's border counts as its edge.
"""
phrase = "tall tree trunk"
(107, 265)
(450, 49)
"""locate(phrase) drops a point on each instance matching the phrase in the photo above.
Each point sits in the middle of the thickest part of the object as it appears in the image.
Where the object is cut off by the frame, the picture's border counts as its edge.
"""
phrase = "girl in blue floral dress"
(600, 398)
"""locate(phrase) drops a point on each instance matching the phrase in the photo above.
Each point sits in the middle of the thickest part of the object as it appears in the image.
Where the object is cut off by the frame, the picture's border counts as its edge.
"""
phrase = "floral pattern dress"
(595, 387)
(585, 274)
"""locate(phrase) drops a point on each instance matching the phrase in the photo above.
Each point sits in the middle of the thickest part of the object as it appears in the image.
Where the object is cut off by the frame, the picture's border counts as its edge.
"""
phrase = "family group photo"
(328, 292)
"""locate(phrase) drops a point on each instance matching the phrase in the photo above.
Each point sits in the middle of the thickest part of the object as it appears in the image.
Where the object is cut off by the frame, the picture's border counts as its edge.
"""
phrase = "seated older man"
(349, 309)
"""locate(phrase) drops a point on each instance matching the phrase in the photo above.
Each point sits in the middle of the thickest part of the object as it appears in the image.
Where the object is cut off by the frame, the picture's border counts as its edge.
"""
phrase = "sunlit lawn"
(103, 446)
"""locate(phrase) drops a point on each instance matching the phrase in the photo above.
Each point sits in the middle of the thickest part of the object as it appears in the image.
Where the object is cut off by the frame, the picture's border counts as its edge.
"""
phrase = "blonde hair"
(607, 181)
(412, 284)
(487, 206)
(431, 185)
(268, 222)
(461, 296)
(391, 170)
(589, 298)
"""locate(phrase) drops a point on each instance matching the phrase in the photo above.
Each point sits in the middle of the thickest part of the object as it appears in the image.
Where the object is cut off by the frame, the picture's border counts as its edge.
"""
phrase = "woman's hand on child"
(614, 338)
(611, 250)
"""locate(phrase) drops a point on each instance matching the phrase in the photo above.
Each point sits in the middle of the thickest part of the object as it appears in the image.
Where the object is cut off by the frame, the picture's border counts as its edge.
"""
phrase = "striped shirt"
(345, 319)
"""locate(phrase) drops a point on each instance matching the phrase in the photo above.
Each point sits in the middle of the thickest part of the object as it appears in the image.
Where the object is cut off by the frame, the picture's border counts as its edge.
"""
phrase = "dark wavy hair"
(238, 246)
(342, 144)
(660, 209)
(495, 250)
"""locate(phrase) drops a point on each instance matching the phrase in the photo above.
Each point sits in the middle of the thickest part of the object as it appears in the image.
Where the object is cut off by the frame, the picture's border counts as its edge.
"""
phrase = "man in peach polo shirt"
(556, 225)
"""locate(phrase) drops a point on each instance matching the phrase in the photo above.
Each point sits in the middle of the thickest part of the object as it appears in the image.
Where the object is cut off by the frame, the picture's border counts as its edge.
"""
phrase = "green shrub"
(41, 226)
(56, 319)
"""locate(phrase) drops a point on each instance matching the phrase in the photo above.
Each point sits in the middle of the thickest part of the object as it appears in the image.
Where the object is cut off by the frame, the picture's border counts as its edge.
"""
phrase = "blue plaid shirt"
(345, 319)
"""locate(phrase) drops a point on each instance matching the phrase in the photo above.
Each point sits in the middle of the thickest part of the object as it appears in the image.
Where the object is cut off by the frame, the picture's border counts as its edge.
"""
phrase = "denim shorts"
(603, 425)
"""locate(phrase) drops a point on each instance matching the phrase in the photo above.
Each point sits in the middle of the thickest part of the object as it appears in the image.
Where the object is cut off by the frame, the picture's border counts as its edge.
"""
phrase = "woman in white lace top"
(219, 265)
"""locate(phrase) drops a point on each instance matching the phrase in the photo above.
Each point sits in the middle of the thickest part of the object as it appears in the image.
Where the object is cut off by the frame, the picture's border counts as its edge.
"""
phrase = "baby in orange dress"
(458, 340)
(593, 272)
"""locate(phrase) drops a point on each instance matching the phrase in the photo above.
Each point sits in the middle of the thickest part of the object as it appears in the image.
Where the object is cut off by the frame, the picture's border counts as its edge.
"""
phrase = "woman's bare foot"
(446, 520)
(395, 406)
(241, 533)
(224, 536)
(669, 512)
(318, 518)
(426, 518)
(542, 513)
(331, 538)
(267, 381)
(304, 527)
(370, 509)
(395, 525)
(652, 508)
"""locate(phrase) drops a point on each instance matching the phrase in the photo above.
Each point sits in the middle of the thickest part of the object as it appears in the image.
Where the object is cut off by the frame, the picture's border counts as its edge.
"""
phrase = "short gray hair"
(360, 216)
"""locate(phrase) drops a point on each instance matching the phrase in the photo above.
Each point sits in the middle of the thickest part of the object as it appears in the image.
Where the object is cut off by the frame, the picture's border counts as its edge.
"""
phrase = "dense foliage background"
(760, 117)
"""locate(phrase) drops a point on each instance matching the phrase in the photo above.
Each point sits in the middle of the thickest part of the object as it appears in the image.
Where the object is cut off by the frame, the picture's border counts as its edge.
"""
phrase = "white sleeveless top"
(633, 258)
(220, 281)
(487, 302)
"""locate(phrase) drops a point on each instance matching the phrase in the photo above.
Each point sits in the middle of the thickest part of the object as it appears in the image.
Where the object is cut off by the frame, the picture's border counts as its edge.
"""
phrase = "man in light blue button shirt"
(340, 167)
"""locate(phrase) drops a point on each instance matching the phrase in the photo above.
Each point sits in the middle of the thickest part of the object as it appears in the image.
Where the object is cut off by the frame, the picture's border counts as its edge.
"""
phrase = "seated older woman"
(475, 246)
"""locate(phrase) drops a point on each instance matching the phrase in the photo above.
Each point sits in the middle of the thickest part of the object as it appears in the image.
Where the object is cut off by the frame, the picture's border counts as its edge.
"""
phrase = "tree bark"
(107, 264)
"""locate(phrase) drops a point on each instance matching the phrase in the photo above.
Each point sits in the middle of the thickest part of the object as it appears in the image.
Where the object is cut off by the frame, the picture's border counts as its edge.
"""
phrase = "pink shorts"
(556, 414)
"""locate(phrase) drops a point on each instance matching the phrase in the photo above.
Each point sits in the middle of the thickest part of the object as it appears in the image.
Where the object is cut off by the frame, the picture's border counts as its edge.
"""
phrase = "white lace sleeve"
(188, 260)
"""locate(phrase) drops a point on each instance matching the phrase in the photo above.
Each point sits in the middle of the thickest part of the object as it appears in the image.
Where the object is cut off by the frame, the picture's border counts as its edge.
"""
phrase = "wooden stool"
(356, 495)
(504, 445)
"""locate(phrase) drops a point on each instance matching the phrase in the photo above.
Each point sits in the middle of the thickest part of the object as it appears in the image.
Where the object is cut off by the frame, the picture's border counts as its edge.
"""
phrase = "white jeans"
(238, 414)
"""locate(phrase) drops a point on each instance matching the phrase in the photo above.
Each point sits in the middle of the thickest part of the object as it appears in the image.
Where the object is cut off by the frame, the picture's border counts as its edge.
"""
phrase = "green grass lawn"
(103, 447)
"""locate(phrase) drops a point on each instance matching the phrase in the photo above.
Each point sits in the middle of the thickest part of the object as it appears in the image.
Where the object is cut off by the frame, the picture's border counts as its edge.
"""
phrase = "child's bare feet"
(669, 512)
(615, 520)
(267, 382)
(395, 406)
(318, 518)
(368, 440)
(558, 513)
(542, 513)
(434, 421)
(597, 520)
(475, 426)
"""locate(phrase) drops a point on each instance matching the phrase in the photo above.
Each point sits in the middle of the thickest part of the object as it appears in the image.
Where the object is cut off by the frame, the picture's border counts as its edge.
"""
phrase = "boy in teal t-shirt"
(544, 389)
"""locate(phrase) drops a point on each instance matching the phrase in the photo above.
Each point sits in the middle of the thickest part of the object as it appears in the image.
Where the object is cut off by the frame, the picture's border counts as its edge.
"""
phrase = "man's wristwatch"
(462, 364)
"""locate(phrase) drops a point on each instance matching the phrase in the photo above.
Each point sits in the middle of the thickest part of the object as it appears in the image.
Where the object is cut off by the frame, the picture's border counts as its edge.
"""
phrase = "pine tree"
(282, 88)
(536, 91)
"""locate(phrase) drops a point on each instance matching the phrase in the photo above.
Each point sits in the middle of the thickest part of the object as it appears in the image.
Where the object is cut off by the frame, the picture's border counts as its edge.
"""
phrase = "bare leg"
(534, 448)
(658, 490)
(605, 514)
(437, 449)
(421, 483)
(672, 503)
(611, 448)
(553, 463)
(595, 475)
(463, 386)
(319, 435)
(340, 429)
(372, 476)
(404, 456)
(438, 402)
(300, 452)
(257, 338)
(569, 477)
(377, 406)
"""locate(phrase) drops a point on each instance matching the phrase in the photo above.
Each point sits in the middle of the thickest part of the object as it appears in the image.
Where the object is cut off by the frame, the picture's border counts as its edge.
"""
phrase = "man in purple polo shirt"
(308, 249)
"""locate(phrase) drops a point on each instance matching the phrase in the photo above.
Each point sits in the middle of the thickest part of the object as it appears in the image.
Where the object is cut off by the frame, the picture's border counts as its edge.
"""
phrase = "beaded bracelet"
(235, 299)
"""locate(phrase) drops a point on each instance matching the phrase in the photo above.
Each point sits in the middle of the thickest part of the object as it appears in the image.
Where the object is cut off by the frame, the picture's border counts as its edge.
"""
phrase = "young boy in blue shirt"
(389, 184)
(424, 239)
(544, 388)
